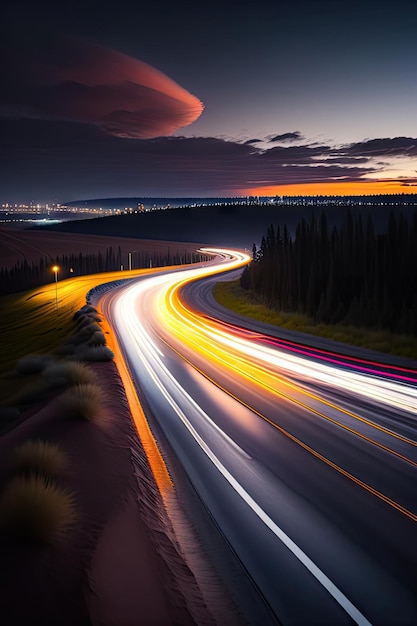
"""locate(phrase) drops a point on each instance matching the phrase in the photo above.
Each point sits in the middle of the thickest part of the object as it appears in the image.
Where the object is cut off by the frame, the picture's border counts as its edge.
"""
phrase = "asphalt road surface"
(306, 457)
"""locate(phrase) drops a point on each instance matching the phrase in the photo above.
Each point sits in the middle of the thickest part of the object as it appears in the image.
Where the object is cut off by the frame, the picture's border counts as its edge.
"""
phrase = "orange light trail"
(202, 336)
(241, 367)
(152, 314)
(308, 448)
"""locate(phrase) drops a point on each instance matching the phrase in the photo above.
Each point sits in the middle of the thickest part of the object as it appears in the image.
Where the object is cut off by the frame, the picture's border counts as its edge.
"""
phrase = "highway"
(306, 459)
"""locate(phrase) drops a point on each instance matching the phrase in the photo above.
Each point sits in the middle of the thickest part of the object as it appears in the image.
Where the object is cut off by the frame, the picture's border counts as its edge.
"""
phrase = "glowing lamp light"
(55, 270)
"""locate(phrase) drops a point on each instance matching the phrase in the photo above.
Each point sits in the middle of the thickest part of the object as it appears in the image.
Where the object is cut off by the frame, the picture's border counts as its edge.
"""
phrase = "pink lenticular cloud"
(124, 96)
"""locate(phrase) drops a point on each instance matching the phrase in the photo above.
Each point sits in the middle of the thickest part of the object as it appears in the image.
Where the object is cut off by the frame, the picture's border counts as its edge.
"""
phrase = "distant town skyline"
(216, 99)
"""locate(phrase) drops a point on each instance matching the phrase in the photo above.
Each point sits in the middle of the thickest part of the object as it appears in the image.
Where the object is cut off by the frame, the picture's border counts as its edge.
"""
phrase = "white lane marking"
(316, 572)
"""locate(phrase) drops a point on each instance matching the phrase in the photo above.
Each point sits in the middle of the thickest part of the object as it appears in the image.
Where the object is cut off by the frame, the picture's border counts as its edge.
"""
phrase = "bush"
(89, 328)
(79, 338)
(37, 510)
(97, 339)
(88, 308)
(87, 325)
(32, 364)
(99, 353)
(82, 319)
(66, 349)
(84, 311)
(68, 373)
(40, 457)
(81, 402)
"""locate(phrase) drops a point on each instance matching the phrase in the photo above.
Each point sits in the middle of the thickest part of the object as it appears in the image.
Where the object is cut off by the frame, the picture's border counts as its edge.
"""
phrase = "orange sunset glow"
(333, 189)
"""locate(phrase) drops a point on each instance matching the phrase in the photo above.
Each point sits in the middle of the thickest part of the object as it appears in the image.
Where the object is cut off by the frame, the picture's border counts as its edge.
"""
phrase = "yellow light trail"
(238, 370)
(185, 323)
(184, 420)
(306, 447)
(195, 331)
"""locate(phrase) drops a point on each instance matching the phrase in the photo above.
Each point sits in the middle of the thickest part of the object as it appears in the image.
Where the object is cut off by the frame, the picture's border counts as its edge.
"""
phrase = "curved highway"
(306, 459)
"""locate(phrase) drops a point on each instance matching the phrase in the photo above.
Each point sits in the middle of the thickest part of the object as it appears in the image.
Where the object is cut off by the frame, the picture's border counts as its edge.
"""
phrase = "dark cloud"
(296, 154)
(89, 122)
(295, 136)
(87, 83)
(397, 146)
(75, 160)
(346, 160)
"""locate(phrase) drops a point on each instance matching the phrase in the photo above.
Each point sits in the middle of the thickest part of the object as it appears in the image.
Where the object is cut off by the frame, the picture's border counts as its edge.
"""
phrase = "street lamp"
(55, 270)
(129, 254)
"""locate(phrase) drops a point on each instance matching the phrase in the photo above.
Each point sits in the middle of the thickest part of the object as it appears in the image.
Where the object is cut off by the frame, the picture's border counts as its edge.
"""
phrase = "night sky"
(211, 99)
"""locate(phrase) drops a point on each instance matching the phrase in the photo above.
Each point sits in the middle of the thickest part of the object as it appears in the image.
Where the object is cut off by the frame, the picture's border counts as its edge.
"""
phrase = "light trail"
(244, 355)
(183, 321)
(319, 456)
(386, 370)
(244, 358)
(259, 374)
(166, 383)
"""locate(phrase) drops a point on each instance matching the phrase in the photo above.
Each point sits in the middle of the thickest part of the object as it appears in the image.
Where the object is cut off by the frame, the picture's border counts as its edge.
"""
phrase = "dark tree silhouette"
(349, 275)
(24, 276)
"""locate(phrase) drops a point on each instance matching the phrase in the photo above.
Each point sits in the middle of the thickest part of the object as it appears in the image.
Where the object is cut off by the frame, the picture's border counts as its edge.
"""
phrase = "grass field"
(32, 323)
(232, 296)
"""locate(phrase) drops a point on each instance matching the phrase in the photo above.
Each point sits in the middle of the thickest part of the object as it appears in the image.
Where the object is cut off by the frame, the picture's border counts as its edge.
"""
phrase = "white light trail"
(139, 342)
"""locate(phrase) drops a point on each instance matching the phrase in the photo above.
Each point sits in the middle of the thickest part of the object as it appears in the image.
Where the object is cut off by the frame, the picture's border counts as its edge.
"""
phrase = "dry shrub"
(97, 339)
(98, 353)
(34, 509)
(81, 402)
(66, 349)
(79, 338)
(87, 324)
(77, 315)
(89, 308)
(82, 319)
(32, 364)
(68, 373)
(93, 327)
(40, 457)
(85, 310)
(89, 328)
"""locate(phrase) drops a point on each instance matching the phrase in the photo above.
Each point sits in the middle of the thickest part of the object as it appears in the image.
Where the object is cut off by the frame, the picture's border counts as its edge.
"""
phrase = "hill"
(235, 225)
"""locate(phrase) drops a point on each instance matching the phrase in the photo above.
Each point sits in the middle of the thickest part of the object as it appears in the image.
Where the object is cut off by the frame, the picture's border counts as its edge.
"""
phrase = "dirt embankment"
(119, 565)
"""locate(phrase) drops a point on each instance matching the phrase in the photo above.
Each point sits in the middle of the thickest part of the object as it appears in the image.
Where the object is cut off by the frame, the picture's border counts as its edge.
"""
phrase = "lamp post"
(55, 270)
(129, 254)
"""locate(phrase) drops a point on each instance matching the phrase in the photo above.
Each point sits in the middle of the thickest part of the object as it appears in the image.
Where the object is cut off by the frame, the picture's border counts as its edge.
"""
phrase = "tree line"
(24, 275)
(349, 274)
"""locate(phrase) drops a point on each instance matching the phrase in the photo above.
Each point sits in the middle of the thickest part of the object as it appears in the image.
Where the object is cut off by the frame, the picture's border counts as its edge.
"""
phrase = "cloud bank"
(71, 161)
(82, 82)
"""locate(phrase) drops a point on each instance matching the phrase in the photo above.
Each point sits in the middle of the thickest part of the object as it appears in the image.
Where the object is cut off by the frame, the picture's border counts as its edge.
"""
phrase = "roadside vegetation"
(48, 337)
(84, 402)
(350, 274)
(349, 283)
(232, 296)
(44, 458)
(38, 328)
(36, 509)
